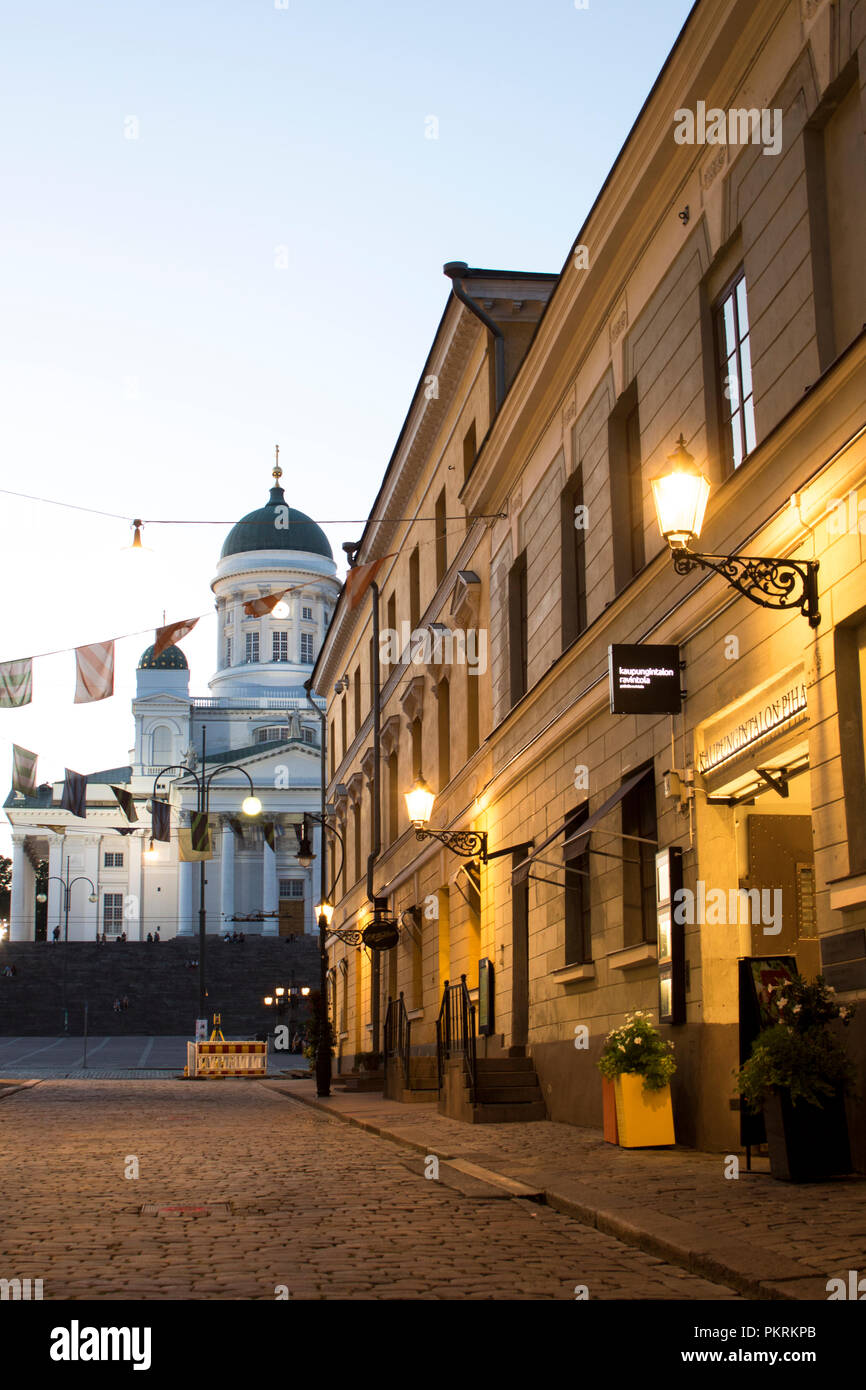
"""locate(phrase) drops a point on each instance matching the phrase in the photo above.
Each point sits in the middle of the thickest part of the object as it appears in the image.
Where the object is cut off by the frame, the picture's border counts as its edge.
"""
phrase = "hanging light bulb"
(137, 547)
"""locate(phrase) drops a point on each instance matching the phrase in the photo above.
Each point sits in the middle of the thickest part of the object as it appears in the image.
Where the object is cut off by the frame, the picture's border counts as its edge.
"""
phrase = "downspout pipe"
(456, 272)
(376, 846)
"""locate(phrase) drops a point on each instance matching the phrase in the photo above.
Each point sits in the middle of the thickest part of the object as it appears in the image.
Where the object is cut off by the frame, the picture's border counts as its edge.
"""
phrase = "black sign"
(380, 936)
(644, 679)
(485, 997)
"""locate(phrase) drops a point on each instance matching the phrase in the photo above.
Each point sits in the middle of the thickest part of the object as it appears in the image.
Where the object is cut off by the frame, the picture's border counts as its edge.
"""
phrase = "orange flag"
(258, 606)
(167, 636)
(359, 579)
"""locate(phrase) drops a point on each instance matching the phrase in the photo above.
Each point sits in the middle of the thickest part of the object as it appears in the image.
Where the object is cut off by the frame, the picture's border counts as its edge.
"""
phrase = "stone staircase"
(507, 1091)
(161, 987)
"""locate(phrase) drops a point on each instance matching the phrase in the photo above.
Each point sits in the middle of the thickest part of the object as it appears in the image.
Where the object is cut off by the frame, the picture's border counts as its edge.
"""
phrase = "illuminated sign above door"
(644, 679)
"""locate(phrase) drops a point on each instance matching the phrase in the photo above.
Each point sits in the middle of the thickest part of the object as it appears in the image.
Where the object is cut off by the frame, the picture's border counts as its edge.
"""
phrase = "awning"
(521, 873)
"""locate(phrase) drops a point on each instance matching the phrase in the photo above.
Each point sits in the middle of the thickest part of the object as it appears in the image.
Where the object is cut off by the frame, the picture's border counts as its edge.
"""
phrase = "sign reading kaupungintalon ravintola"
(644, 679)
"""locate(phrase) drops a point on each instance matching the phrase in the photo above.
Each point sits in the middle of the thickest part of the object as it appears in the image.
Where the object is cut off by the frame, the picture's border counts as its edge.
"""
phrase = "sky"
(222, 227)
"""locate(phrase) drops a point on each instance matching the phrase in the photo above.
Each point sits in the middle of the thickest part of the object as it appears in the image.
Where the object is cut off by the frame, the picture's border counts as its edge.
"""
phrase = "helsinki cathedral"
(257, 717)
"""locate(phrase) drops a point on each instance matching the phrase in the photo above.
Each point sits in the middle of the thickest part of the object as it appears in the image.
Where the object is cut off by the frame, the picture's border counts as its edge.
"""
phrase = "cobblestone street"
(317, 1206)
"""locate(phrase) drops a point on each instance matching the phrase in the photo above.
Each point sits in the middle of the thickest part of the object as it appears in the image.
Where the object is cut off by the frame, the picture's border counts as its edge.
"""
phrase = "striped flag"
(167, 636)
(126, 802)
(94, 672)
(74, 796)
(23, 770)
(194, 843)
(200, 831)
(257, 607)
(160, 820)
(359, 579)
(16, 683)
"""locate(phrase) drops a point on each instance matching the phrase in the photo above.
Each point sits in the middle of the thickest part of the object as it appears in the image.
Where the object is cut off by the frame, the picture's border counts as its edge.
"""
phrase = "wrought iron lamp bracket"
(780, 584)
(467, 843)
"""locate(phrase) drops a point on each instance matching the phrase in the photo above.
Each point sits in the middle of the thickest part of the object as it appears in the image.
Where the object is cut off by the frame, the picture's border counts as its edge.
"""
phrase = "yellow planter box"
(644, 1118)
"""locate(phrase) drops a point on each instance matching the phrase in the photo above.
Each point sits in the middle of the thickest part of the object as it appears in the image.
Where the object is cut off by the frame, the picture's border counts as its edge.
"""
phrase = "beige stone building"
(717, 291)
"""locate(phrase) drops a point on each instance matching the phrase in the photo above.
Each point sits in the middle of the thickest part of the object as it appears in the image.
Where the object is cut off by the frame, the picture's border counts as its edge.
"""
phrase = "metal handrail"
(398, 1030)
(455, 1032)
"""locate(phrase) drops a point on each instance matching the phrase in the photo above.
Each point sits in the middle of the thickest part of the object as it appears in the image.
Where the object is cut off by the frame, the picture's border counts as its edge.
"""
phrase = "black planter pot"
(807, 1144)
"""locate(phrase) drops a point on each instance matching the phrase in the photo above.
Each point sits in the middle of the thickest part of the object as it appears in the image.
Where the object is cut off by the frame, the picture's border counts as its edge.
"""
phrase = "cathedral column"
(227, 877)
(56, 889)
(270, 891)
(132, 927)
(87, 924)
(21, 925)
(184, 898)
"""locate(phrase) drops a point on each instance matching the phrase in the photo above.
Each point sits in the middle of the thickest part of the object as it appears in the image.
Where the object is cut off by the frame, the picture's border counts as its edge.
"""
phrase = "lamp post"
(470, 844)
(680, 496)
(93, 898)
(251, 806)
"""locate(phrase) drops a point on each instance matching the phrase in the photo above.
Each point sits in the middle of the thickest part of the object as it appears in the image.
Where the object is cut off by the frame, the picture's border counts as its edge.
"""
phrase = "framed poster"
(670, 936)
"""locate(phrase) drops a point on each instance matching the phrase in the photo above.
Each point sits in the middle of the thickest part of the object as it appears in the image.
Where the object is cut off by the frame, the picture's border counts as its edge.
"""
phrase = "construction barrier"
(226, 1059)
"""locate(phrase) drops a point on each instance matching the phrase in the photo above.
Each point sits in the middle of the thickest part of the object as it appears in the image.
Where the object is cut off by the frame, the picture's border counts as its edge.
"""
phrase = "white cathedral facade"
(257, 717)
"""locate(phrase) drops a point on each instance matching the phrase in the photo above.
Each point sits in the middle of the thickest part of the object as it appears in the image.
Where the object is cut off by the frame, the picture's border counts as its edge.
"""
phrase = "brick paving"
(324, 1208)
(771, 1239)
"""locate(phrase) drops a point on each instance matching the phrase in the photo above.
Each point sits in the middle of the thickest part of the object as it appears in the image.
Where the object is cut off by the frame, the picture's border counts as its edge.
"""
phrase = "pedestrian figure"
(156, 936)
(124, 1003)
(241, 938)
(56, 932)
(116, 1006)
(150, 936)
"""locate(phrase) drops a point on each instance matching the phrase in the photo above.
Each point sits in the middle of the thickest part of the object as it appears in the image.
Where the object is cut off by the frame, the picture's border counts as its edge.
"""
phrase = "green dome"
(172, 659)
(259, 531)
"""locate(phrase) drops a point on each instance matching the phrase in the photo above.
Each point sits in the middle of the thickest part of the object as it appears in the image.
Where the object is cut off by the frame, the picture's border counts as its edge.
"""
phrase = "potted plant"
(799, 1074)
(640, 1064)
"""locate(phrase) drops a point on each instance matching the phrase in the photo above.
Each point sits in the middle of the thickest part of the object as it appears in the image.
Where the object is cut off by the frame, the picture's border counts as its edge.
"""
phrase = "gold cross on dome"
(277, 471)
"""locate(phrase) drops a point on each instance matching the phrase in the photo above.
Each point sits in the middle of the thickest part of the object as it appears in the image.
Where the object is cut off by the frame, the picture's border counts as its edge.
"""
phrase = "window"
(280, 645)
(393, 798)
(441, 524)
(414, 590)
(517, 628)
(307, 648)
(344, 713)
(308, 735)
(735, 369)
(271, 733)
(307, 615)
(291, 888)
(252, 647)
(228, 651)
(161, 746)
(113, 861)
(626, 487)
(470, 449)
(573, 533)
(639, 845)
(472, 736)
(391, 621)
(112, 914)
(443, 693)
(333, 749)
(416, 749)
(356, 820)
(357, 683)
(578, 934)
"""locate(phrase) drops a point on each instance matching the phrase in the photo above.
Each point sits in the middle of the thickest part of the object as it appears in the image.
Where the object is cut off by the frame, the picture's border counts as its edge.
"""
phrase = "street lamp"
(93, 898)
(680, 497)
(469, 844)
(250, 806)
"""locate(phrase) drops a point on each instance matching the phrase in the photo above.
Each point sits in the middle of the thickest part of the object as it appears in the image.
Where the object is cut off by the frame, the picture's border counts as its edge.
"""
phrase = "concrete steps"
(507, 1092)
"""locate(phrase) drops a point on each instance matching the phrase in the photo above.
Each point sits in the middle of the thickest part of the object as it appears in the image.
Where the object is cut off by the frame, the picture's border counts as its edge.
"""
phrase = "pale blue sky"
(151, 349)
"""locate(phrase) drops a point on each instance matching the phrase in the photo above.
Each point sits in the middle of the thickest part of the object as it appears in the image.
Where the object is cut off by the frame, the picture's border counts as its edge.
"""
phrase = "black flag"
(74, 797)
(126, 802)
(160, 820)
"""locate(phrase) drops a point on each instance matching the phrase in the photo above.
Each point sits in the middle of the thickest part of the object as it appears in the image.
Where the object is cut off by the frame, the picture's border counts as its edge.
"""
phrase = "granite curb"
(750, 1270)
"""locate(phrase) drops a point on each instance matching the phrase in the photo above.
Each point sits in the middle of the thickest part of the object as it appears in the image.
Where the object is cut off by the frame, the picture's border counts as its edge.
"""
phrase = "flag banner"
(167, 636)
(126, 802)
(94, 672)
(160, 820)
(269, 834)
(55, 829)
(23, 770)
(123, 829)
(359, 579)
(74, 796)
(257, 607)
(200, 831)
(192, 848)
(16, 683)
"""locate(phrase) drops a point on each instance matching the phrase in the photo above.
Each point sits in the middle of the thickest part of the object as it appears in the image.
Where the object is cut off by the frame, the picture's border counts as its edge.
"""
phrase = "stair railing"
(398, 1029)
(455, 1033)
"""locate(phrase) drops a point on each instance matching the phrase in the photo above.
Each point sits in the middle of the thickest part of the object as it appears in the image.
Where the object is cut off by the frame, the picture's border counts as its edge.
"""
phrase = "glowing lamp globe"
(419, 803)
(251, 806)
(680, 496)
(326, 910)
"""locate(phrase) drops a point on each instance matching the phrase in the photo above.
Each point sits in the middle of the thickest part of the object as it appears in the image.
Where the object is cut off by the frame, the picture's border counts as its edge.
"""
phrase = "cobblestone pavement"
(820, 1227)
(316, 1205)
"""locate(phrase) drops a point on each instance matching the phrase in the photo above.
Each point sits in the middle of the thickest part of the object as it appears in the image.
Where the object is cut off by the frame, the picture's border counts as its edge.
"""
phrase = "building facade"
(716, 292)
(257, 717)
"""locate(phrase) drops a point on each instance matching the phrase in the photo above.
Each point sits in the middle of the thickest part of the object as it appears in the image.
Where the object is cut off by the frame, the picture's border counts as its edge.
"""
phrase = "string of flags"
(94, 663)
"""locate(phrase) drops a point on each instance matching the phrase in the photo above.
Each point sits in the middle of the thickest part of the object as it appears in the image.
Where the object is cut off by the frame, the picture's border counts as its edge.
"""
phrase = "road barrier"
(226, 1059)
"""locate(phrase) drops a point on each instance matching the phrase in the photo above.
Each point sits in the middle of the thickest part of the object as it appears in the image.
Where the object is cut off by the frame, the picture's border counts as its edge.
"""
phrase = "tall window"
(626, 486)
(391, 621)
(356, 821)
(517, 628)
(307, 615)
(306, 648)
(735, 368)
(280, 646)
(416, 749)
(161, 746)
(344, 720)
(357, 682)
(414, 589)
(472, 734)
(252, 647)
(333, 750)
(441, 537)
(112, 914)
(573, 534)
(639, 845)
(578, 934)
(444, 716)
(393, 797)
(470, 449)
